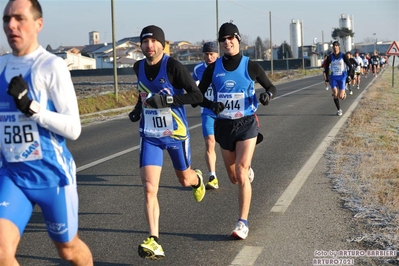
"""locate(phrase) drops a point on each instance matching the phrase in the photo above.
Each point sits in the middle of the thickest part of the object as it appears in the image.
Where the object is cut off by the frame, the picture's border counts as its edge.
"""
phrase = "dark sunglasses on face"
(230, 38)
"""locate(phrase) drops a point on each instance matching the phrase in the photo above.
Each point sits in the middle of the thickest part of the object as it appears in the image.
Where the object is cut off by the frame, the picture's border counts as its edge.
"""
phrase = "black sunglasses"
(230, 38)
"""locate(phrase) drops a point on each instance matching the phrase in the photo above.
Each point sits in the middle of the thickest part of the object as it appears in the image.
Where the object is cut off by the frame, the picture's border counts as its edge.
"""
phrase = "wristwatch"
(34, 108)
(169, 99)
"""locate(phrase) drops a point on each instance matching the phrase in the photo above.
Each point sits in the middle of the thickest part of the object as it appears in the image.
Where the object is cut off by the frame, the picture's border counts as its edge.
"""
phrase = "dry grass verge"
(364, 165)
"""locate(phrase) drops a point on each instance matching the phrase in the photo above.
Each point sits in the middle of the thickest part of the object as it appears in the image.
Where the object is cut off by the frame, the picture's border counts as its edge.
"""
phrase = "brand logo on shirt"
(56, 228)
(220, 75)
(4, 204)
(4, 105)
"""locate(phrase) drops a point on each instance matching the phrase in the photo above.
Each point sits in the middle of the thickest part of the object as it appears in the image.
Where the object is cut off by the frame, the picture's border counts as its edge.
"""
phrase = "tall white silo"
(295, 37)
(346, 21)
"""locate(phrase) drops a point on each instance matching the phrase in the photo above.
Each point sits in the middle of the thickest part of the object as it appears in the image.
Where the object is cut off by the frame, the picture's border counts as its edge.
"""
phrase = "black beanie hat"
(154, 32)
(229, 29)
(210, 47)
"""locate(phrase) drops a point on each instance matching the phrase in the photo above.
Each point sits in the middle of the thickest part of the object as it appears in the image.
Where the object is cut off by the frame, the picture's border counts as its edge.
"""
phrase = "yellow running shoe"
(213, 183)
(150, 249)
(199, 192)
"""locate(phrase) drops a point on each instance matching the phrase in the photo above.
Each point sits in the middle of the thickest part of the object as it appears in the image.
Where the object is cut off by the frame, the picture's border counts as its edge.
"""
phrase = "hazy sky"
(69, 22)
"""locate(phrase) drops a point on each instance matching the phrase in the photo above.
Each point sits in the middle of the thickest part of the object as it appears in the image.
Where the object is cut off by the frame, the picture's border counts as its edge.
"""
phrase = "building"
(73, 58)
(94, 37)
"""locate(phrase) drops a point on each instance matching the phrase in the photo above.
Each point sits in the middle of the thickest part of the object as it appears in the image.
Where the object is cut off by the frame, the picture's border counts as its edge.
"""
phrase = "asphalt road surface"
(295, 215)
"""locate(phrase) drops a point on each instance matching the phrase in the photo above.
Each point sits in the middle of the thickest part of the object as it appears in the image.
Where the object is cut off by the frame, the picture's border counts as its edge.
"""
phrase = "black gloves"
(264, 98)
(217, 107)
(135, 115)
(18, 88)
(157, 101)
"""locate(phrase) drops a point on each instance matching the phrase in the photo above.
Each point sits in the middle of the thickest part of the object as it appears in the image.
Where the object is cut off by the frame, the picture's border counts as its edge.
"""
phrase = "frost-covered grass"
(364, 165)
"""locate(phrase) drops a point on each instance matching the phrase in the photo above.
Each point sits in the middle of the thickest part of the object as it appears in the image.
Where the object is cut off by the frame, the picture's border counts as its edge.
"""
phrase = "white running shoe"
(251, 174)
(339, 113)
(240, 231)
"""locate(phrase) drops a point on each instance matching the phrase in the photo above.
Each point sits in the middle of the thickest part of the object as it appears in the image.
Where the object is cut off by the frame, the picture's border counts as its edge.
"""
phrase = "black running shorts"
(229, 131)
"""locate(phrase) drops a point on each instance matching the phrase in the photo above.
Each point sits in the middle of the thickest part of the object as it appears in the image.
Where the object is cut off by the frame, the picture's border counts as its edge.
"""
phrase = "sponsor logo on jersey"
(32, 149)
(151, 112)
(7, 118)
(225, 96)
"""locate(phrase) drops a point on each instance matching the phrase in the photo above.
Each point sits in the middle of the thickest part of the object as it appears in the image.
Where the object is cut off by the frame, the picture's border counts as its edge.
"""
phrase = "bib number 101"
(159, 122)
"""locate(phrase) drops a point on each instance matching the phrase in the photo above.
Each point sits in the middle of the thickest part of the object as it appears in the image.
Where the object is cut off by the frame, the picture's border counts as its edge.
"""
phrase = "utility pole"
(114, 53)
(303, 59)
(217, 25)
(271, 42)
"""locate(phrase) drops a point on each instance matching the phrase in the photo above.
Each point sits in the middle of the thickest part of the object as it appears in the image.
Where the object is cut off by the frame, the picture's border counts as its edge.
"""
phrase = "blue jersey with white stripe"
(235, 89)
(33, 156)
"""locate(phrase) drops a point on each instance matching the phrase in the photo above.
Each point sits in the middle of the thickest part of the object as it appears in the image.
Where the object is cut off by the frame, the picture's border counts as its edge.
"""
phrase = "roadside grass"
(364, 164)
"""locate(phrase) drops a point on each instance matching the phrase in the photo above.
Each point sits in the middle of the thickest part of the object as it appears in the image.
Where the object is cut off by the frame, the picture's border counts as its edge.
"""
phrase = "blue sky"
(69, 22)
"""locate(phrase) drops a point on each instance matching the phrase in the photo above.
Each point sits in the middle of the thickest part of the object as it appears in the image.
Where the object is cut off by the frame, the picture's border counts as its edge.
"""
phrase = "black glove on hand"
(217, 107)
(264, 98)
(157, 101)
(18, 89)
(135, 115)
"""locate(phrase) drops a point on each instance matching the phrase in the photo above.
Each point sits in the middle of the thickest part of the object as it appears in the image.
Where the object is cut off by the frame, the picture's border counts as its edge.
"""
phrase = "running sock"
(212, 174)
(244, 221)
(336, 101)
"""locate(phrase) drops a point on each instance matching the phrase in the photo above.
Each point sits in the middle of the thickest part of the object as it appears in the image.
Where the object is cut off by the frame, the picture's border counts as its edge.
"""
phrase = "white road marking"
(247, 256)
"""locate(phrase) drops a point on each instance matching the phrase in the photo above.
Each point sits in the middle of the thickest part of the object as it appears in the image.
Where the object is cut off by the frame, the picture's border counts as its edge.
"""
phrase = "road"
(294, 212)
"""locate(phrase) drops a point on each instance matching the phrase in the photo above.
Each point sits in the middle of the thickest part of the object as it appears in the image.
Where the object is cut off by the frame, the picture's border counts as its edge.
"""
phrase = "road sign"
(393, 49)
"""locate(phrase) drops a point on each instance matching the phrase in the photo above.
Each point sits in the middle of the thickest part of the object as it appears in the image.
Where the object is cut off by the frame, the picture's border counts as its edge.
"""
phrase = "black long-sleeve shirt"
(178, 76)
(231, 63)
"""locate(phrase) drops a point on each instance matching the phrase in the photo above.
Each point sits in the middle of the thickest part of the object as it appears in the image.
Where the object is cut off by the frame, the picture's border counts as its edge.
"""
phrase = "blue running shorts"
(179, 152)
(59, 207)
(208, 125)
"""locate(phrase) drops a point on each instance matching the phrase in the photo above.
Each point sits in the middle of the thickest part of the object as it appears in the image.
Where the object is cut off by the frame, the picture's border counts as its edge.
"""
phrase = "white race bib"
(158, 122)
(234, 104)
(20, 139)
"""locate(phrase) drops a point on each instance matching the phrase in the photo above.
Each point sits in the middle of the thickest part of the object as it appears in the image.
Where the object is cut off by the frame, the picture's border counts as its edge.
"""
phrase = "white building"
(295, 37)
(73, 58)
